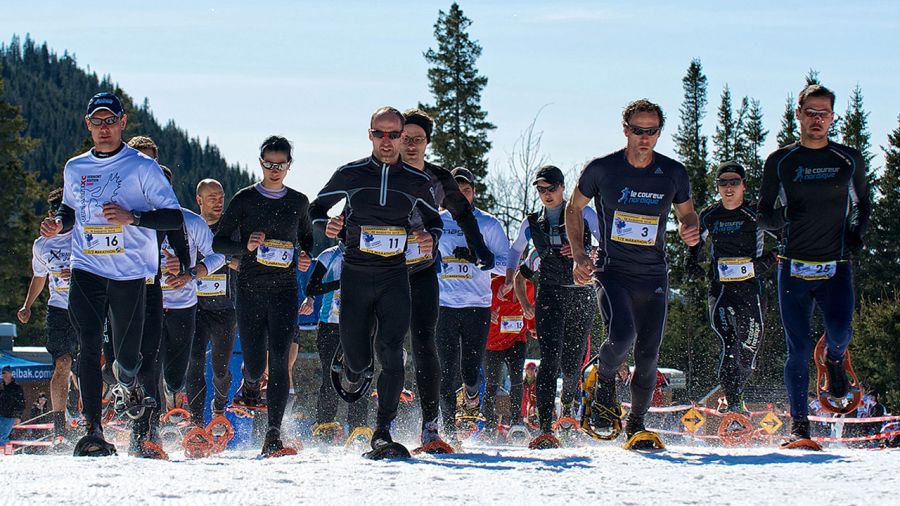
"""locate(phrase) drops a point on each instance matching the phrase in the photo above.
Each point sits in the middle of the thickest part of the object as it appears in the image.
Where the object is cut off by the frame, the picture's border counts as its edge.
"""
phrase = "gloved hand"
(464, 253)
(485, 258)
(693, 269)
(853, 239)
(765, 262)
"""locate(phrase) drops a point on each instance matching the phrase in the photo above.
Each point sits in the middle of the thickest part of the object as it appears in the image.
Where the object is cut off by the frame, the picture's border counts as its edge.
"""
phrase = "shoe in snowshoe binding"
(800, 438)
(350, 386)
(838, 387)
(639, 438)
(130, 400)
(432, 442)
(247, 401)
(93, 444)
(601, 417)
(384, 447)
(273, 447)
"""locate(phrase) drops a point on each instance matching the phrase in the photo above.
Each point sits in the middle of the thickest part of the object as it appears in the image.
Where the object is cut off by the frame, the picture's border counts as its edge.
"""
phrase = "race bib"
(213, 285)
(382, 241)
(634, 228)
(149, 280)
(275, 253)
(103, 240)
(512, 324)
(456, 268)
(58, 283)
(811, 271)
(735, 269)
(414, 255)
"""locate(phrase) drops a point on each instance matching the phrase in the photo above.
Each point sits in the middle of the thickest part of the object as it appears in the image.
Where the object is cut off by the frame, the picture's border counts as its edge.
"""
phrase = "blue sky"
(236, 72)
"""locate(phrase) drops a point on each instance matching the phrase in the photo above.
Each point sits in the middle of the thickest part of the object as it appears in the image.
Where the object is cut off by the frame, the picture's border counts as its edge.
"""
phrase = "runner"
(216, 320)
(272, 220)
(326, 281)
(825, 211)
(737, 297)
(381, 193)
(634, 189)
(113, 196)
(465, 314)
(564, 310)
(50, 259)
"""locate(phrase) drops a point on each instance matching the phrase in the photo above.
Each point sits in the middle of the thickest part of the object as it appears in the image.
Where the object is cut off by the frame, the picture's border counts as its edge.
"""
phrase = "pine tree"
(789, 132)
(690, 143)
(855, 131)
(723, 139)
(753, 136)
(461, 126)
(880, 265)
(19, 224)
(739, 147)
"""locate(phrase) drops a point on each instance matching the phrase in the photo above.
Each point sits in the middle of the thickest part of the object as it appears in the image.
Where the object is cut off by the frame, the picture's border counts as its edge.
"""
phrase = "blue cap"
(105, 100)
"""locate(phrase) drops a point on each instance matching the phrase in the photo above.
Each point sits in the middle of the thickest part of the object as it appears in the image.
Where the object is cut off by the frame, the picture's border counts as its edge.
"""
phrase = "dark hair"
(143, 142)
(814, 90)
(277, 144)
(167, 172)
(421, 118)
(54, 198)
(386, 109)
(642, 105)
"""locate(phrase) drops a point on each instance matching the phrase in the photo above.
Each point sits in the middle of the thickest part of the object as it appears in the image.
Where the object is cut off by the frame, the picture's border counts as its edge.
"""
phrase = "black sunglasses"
(636, 130)
(729, 182)
(112, 120)
(546, 189)
(378, 134)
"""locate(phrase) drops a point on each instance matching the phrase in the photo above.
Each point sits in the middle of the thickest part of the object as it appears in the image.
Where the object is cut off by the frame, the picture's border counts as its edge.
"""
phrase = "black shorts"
(61, 336)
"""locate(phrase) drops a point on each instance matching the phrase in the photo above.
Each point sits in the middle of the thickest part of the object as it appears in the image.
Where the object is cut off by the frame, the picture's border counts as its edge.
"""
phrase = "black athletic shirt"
(642, 198)
(285, 222)
(221, 302)
(818, 189)
(448, 196)
(380, 201)
(733, 234)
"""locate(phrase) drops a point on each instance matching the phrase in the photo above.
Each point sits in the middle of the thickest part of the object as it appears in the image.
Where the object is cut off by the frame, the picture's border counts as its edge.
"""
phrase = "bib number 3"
(634, 228)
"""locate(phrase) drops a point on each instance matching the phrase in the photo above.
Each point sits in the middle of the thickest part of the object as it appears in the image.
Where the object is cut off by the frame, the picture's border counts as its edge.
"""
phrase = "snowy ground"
(486, 474)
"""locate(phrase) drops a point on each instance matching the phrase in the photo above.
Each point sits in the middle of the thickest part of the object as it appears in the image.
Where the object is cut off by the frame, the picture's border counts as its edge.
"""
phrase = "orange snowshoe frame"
(828, 402)
(736, 429)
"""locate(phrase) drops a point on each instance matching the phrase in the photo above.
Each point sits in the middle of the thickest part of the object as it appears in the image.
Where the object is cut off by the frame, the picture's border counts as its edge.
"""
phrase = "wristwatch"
(137, 218)
(193, 272)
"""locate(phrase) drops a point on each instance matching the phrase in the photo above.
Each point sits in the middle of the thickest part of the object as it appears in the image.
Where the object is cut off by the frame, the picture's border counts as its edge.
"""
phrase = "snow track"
(679, 475)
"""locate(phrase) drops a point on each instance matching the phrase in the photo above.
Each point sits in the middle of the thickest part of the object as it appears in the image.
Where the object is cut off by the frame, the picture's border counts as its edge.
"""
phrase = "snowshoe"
(800, 438)
(545, 441)
(639, 438)
(432, 442)
(131, 401)
(93, 444)
(384, 447)
(247, 402)
(601, 417)
(518, 435)
(221, 432)
(468, 418)
(176, 416)
(273, 447)
(349, 386)
(736, 429)
(198, 443)
(838, 387)
(328, 432)
(359, 437)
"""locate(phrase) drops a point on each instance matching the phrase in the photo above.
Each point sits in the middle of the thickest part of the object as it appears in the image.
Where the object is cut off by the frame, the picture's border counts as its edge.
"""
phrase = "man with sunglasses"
(271, 222)
(113, 196)
(423, 278)
(563, 309)
(821, 186)
(634, 190)
(381, 193)
(737, 297)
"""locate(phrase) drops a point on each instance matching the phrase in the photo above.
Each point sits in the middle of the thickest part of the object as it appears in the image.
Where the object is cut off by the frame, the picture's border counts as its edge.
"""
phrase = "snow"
(486, 474)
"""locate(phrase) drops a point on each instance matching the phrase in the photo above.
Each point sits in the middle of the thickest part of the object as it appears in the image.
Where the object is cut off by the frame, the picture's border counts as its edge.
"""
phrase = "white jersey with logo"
(136, 183)
(49, 256)
(199, 239)
(332, 259)
(464, 284)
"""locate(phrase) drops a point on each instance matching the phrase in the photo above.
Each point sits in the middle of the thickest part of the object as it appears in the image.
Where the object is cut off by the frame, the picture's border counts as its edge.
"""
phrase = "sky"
(236, 72)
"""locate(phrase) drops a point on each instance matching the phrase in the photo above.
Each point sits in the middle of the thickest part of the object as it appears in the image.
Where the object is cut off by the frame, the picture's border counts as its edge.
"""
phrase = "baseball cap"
(463, 174)
(549, 174)
(730, 168)
(7, 368)
(105, 100)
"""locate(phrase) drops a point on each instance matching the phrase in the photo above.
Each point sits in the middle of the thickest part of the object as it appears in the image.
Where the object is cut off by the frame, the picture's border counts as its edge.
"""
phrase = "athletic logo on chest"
(95, 192)
(802, 173)
(630, 196)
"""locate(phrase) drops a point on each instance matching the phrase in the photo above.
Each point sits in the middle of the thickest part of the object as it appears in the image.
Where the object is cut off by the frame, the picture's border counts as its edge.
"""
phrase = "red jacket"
(510, 326)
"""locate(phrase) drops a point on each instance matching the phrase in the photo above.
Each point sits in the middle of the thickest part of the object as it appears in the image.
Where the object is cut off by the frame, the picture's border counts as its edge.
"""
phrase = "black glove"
(853, 239)
(693, 270)
(464, 253)
(766, 261)
(485, 258)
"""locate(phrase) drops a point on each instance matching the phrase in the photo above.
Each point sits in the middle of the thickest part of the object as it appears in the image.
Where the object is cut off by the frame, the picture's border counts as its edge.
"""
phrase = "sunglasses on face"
(636, 130)
(547, 189)
(817, 114)
(274, 166)
(729, 182)
(413, 141)
(379, 134)
(112, 120)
